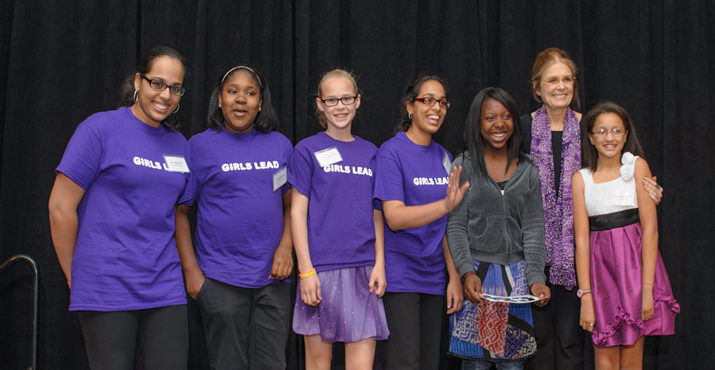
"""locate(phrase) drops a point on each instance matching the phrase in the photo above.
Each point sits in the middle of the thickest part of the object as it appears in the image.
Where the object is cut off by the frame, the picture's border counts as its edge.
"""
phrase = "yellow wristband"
(303, 276)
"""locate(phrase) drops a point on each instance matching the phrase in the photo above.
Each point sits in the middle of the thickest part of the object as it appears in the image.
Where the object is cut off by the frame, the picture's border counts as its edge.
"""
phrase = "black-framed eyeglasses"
(428, 100)
(347, 100)
(602, 132)
(159, 85)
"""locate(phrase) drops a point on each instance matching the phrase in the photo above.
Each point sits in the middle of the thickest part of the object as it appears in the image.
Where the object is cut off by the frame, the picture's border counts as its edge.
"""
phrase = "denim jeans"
(484, 365)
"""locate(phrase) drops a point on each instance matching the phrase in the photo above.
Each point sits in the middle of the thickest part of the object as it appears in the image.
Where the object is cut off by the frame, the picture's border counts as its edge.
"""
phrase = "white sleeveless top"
(611, 196)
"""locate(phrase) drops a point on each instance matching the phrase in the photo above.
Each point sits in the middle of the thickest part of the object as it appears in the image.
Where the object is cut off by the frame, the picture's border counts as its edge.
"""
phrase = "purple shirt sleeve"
(388, 178)
(300, 170)
(82, 157)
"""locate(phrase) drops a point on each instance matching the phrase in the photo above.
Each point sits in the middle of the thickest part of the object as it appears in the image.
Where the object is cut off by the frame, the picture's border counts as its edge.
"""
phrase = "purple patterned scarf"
(558, 212)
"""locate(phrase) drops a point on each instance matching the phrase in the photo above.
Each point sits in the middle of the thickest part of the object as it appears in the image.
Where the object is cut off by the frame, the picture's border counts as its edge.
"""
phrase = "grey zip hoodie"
(495, 226)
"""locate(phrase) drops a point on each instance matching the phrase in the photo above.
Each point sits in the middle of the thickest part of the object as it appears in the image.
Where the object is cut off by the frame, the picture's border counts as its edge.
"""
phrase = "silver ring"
(591, 325)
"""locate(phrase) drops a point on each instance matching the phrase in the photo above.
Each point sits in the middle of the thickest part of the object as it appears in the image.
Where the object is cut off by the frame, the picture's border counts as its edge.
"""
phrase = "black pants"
(246, 328)
(559, 338)
(415, 323)
(161, 334)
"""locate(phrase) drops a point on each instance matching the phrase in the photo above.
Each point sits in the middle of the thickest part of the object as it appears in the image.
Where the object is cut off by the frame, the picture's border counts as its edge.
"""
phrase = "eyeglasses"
(491, 118)
(331, 102)
(602, 132)
(428, 100)
(159, 85)
(554, 81)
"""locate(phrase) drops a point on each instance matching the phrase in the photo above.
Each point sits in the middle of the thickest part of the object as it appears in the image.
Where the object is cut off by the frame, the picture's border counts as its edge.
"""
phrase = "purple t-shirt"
(240, 215)
(125, 257)
(416, 175)
(341, 232)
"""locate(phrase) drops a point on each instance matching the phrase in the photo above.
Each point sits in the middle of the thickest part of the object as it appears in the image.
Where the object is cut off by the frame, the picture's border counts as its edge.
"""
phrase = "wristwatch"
(581, 292)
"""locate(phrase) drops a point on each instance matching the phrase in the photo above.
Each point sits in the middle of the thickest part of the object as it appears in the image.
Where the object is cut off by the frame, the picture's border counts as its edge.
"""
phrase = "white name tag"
(176, 164)
(328, 156)
(280, 177)
(446, 163)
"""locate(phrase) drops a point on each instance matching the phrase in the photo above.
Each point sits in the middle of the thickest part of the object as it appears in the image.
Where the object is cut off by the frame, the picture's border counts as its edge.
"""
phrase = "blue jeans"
(484, 365)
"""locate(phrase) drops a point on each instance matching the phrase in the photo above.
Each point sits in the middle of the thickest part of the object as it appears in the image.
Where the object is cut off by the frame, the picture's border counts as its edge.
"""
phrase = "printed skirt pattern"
(495, 330)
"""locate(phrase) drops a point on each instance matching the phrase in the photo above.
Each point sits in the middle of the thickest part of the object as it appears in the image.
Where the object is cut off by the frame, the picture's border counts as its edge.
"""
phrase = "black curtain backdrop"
(61, 61)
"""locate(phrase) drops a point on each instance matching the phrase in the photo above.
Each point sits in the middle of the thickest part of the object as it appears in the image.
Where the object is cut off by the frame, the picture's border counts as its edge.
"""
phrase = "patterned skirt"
(348, 312)
(495, 330)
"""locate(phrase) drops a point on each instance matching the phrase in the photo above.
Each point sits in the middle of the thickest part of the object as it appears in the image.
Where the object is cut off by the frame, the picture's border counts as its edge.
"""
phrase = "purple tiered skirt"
(617, 281)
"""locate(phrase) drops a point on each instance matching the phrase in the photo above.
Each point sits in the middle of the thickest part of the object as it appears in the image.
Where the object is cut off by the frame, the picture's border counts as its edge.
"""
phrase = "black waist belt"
(613, 220)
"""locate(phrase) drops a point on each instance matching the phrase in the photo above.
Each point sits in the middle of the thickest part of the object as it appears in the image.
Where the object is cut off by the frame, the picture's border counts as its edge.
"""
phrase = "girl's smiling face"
(428, 118)
(240, 101)
(609, 135)
(497, 125)
(153, 106)
(339, 116)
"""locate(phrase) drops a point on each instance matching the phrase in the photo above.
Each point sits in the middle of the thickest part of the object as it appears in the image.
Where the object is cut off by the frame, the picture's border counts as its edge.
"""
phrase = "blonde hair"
(326, 76)
(546, 59)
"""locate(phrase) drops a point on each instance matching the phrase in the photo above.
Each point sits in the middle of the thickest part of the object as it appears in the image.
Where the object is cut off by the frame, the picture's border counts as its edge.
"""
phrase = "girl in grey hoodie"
(496, 236)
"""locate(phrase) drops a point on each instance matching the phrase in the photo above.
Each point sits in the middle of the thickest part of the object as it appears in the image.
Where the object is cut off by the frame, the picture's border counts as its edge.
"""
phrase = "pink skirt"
(348, 312)
(617, 281)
